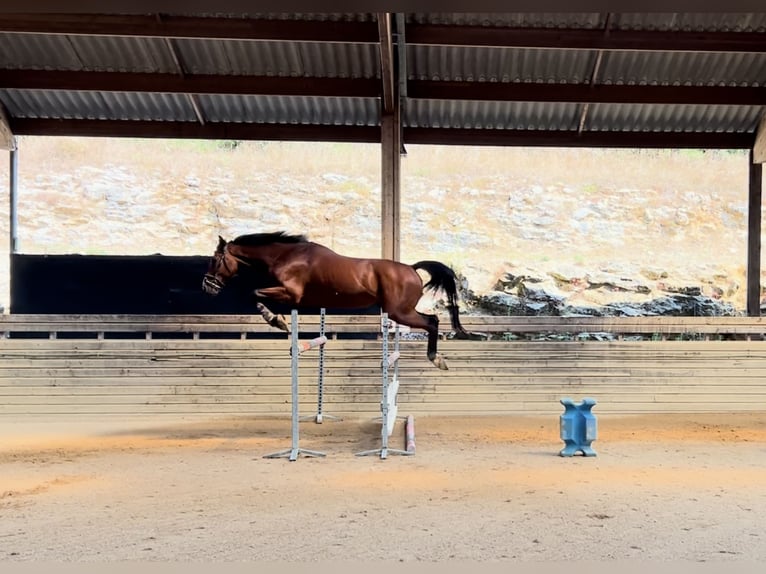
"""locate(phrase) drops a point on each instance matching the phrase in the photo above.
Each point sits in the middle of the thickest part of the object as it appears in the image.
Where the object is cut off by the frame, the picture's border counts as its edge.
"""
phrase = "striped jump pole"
(296, 348)
(320, 416)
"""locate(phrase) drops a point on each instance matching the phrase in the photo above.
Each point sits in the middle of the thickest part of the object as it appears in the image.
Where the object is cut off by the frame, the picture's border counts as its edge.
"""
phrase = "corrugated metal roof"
(587, 20)
(467, 63)
(305, 16)
(304, 59)
(88, 53)
(32, 51)
(177, 107)
(566, 116)
(113, 53)
(711, 22)
(291, 110)
(683, 68)
(97, 105)
(491, 115)
(673, 118)
(452, 63)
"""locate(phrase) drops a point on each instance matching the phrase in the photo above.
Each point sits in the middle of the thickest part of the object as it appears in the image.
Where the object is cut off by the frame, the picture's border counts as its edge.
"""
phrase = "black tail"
(442, 277)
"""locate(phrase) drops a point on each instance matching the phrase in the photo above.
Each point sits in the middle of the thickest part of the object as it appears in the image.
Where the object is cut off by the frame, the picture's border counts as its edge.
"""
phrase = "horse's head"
(223, 266)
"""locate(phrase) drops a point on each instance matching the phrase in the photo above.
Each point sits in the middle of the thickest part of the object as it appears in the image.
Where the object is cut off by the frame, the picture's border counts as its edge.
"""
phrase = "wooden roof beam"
(195, 130)
(586, 93)
(371, 134)
(571, 138)
(580, 39)
(188, 83)
(371, 88)
(247, 6)
(759, 147)
(149, 26)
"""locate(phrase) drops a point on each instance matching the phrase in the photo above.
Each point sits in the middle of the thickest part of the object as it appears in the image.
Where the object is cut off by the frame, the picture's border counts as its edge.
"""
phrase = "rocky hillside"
(531, 231)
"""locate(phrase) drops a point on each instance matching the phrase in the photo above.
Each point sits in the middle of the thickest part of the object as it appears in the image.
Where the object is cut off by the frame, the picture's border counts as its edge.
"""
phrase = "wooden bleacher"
(104, 365)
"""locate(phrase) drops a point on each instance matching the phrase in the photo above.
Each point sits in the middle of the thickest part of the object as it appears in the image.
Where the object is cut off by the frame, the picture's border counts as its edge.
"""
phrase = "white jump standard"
(388, 404)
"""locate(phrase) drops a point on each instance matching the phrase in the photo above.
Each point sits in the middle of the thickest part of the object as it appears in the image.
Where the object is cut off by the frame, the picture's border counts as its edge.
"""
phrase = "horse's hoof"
(277, 321)
(440, 362)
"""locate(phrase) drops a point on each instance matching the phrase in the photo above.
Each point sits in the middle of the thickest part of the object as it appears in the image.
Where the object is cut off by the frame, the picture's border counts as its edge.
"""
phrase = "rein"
(235, 257)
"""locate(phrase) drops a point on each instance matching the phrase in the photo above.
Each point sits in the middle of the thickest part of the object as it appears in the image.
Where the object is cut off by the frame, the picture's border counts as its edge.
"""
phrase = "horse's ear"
(221, 243)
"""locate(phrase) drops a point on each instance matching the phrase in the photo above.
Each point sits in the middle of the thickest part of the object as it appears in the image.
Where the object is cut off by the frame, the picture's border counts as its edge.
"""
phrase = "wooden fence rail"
(755, 327)
(187, 365)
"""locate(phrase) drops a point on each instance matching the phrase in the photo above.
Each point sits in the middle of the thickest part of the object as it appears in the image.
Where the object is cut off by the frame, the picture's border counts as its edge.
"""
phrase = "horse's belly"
(338, 300)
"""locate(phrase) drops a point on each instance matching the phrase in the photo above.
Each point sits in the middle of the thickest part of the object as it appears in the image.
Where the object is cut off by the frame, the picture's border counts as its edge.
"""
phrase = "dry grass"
(179, 159)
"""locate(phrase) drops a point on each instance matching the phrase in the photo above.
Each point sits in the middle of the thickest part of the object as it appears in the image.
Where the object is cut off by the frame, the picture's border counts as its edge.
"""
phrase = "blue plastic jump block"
(578, 427)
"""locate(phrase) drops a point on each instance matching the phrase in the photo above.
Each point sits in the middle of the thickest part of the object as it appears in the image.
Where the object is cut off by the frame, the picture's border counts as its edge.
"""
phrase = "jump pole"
(296, 348)
(320, 416)
(409, 433)
(388, 404)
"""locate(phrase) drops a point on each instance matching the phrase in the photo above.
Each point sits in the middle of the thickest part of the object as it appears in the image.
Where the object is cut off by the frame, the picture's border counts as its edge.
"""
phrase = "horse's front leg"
(280, 294)
(277, 321)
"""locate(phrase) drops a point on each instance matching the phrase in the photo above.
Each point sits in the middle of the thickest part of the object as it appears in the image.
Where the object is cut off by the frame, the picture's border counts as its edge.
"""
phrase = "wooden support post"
(13, 208)
(754, 238)
(390, 134)
(759, 147)
(386, 61)
(391, 188)
(7, 140)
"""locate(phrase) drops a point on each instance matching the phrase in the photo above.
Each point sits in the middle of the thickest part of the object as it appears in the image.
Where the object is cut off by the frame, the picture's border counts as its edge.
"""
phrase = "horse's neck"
(263, 253)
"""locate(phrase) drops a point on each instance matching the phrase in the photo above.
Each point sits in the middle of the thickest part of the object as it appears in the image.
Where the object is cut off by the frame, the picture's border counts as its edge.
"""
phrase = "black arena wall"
(124, 284)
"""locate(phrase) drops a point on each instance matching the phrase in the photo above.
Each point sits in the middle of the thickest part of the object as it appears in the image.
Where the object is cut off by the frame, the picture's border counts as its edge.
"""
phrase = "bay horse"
(304, 273)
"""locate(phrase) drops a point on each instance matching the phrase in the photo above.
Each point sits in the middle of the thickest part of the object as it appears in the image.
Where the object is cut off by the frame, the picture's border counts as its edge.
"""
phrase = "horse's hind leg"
(430, 323)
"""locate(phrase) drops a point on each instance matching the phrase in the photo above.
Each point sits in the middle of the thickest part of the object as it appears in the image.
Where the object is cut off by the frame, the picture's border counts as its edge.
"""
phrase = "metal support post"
(320, 416)
(295, 351)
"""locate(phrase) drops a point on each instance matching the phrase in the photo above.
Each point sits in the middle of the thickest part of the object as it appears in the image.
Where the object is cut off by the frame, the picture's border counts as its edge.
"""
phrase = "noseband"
(212, 282)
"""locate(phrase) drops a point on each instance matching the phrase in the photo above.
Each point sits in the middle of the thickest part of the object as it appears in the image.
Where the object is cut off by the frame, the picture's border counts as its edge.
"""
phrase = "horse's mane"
(257, 239)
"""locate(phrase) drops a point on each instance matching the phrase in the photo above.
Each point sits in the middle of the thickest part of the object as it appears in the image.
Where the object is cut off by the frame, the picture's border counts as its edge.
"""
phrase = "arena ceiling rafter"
(543, 79)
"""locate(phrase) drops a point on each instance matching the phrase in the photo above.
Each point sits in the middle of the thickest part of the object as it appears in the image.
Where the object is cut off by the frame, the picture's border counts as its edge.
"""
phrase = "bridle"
(212, 280)
(237, 258)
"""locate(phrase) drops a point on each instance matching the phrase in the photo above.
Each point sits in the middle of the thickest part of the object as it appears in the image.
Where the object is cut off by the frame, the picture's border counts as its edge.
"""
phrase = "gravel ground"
(662, 488)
